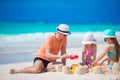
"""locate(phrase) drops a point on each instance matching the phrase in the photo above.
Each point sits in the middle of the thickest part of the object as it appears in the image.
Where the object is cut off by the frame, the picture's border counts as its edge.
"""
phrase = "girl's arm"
(94, 53)
(102, 55)
(105, 59)
(83, 55)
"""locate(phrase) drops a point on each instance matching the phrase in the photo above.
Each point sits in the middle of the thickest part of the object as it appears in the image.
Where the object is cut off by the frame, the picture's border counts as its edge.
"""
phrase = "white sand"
(4, 71)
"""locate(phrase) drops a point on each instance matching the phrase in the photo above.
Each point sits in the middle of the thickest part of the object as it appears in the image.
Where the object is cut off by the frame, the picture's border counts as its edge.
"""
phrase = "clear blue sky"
(76, 11)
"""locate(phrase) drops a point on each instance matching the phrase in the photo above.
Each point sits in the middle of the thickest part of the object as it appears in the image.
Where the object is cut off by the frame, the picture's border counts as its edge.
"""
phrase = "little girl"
(112, 49)
(89, 49)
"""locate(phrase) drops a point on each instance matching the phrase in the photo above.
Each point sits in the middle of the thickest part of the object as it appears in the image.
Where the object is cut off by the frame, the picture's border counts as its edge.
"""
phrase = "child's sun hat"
(89, 38)
(109, 33)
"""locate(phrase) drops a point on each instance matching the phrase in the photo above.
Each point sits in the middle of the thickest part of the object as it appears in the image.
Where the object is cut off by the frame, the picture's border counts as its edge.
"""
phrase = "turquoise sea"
(15, 28)
(19, 41)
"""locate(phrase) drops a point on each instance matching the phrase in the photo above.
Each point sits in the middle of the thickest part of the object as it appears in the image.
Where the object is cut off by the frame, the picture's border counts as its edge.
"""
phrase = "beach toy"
(73, 56)
(95, 65)
(73, 67)
(103, 64)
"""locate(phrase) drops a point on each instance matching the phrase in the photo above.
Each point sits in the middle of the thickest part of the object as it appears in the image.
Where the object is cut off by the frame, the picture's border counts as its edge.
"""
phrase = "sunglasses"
(64, 35)
(104, 39)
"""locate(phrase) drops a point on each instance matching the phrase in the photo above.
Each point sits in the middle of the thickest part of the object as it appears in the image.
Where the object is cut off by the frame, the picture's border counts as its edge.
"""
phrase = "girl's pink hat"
(89, 38)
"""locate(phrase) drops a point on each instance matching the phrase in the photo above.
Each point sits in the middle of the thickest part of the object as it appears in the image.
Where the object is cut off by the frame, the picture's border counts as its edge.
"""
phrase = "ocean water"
(20, 39)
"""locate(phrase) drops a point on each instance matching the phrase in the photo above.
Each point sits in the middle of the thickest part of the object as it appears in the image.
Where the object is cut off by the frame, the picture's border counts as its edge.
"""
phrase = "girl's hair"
(117, 46)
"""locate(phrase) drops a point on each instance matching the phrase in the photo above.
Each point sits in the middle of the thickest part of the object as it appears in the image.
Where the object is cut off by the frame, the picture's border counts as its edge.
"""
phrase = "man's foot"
(13, 71)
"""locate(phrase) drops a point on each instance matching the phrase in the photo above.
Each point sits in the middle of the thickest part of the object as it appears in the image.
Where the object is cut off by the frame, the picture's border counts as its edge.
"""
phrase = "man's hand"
(64, 56)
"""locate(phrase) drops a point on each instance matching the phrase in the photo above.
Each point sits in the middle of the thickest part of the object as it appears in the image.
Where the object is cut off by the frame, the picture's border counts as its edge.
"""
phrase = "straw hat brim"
(88, 42)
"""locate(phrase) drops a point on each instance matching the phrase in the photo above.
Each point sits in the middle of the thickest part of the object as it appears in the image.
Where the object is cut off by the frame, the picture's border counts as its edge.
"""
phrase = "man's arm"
(64, 55)
(52, 56)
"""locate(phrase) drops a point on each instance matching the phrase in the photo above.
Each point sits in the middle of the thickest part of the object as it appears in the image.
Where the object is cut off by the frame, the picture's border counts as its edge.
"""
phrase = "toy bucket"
(73, 67)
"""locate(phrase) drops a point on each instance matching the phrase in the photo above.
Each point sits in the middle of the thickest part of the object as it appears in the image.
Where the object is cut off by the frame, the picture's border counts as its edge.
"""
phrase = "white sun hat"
(89, 38)
(63, 29)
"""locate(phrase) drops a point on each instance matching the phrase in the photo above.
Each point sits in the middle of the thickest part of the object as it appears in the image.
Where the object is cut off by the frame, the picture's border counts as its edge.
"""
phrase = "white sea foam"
(31, 42)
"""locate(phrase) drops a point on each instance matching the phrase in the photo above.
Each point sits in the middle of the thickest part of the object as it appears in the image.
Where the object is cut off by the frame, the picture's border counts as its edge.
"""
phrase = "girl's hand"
(92, 64)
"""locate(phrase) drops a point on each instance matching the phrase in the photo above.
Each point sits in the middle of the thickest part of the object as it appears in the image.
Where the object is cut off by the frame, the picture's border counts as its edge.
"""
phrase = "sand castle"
(77, 69)
(66, 70)
(81, 70)
(116, 68)
(58, 68)
(97, 70)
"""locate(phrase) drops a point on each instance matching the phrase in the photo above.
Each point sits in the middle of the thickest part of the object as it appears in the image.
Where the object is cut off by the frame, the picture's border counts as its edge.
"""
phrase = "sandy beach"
(4, 70)
(27, 25)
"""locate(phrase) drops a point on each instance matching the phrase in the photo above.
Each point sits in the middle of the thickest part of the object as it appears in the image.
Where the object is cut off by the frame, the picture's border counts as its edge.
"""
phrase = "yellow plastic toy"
(73, 67)
(96, 65)
(103, 64)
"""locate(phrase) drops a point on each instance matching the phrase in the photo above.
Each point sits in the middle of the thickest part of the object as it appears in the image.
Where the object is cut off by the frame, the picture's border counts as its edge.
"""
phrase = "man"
(48, 53)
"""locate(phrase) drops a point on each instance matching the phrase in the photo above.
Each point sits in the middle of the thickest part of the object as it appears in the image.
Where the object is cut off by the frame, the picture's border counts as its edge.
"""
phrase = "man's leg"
(36, 68)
